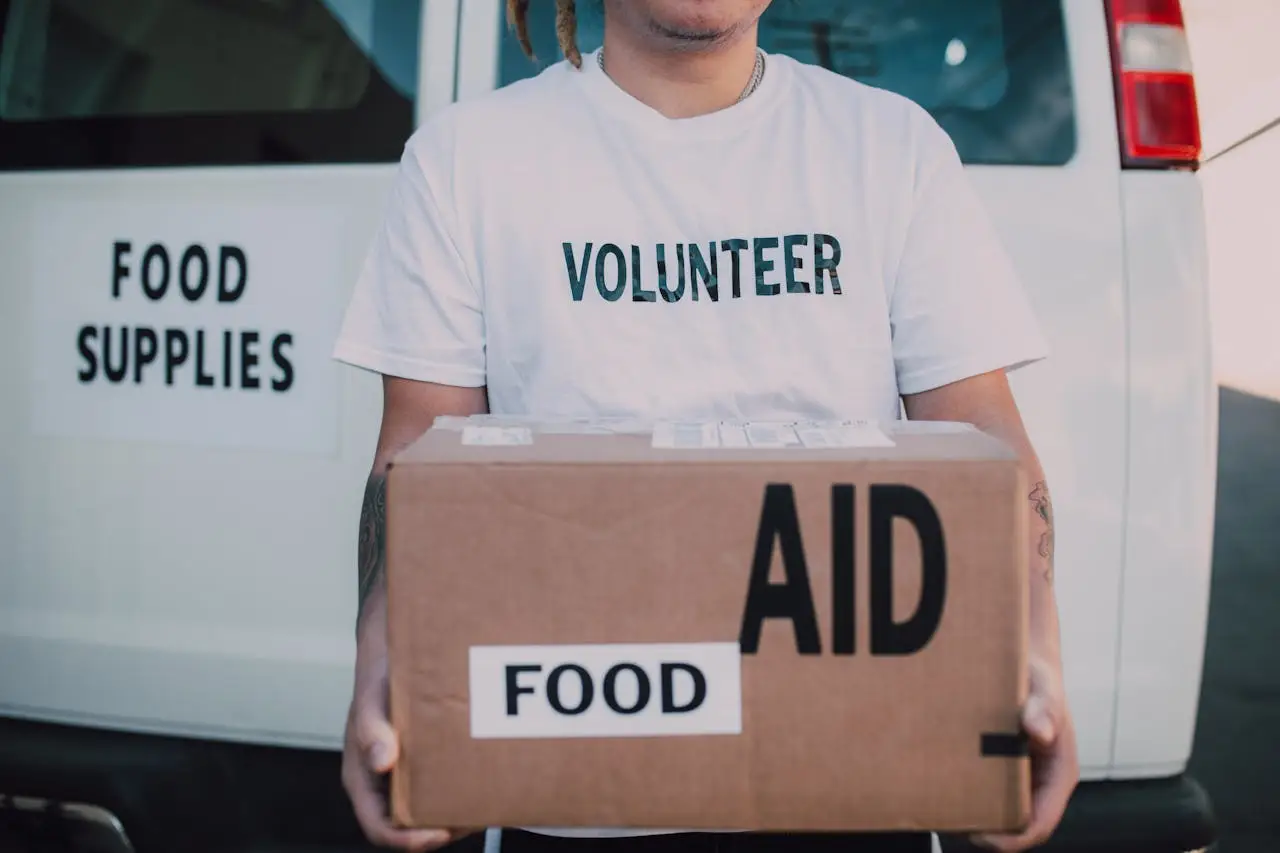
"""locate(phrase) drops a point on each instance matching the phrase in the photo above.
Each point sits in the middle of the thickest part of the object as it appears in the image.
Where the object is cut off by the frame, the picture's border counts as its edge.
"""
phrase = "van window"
(102, 83)
(994, 73)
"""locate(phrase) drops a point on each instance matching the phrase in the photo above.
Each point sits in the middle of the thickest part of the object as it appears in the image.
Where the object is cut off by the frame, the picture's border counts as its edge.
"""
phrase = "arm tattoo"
(1039, 497)
(373, 537)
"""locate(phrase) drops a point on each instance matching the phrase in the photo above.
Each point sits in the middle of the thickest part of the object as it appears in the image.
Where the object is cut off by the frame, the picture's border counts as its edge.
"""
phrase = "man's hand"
(1055, 766)
(371, 748)
(369, 753)
(987, 402)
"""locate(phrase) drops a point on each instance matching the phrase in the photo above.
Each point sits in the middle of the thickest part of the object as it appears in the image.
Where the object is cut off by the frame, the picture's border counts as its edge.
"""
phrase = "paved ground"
(1237, 747)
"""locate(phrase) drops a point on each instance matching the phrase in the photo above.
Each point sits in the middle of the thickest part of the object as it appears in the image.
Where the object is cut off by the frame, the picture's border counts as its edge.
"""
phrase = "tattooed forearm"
(1039, 498)
(373, 536)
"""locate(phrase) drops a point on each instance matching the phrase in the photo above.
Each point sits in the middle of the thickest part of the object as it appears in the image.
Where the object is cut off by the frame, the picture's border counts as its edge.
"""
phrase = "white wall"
(1234, 47)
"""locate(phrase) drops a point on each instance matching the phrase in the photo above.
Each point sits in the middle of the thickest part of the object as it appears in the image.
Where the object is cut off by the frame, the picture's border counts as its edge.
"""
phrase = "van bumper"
(207, 796)
(1171, 815)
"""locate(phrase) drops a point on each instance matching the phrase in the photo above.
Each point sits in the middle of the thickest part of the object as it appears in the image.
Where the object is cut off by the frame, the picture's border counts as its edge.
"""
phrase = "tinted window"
(100, 83)
(994, 73)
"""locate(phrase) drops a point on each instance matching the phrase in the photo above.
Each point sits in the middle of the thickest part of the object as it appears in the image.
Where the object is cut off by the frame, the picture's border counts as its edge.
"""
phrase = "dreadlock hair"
(566, 28)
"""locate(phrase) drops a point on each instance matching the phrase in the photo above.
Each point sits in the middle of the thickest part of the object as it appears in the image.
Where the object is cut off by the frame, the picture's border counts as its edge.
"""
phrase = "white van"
(187, 188)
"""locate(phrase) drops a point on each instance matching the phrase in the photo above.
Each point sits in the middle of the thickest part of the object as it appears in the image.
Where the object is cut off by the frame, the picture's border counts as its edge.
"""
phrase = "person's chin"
(690, 36)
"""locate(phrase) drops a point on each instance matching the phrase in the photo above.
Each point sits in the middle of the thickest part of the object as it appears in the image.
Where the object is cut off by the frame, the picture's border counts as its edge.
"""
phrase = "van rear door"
(187, 190)
(1025, 89)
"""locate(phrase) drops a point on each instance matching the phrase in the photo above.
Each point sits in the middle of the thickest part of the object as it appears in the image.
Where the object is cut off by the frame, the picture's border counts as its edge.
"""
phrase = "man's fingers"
(372, 752)
(1045, 713)
(377, 739)
(1057, 780)
(1061, 776)
(1038, 720)
(1030, 838)
(371, 813)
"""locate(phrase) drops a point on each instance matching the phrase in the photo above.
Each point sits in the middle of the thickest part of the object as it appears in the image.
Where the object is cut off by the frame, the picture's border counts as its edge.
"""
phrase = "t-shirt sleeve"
(957, 307)
(416, 312)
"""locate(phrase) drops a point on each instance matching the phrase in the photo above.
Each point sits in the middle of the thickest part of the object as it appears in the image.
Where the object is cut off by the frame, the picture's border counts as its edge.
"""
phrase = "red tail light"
(1155, 88)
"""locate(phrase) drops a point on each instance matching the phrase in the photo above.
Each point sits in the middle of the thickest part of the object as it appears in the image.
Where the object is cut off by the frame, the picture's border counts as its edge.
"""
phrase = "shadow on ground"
(1237, 747)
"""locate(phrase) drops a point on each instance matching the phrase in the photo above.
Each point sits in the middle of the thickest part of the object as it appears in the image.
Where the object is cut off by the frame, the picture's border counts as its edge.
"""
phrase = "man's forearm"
(987, 403)
(371, 613)
(372, 550)
(1045, 639)
(1044, 609)
(409, 408)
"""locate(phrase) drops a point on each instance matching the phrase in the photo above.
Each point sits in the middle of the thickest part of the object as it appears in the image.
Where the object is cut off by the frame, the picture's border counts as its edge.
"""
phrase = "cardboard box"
(779, 628)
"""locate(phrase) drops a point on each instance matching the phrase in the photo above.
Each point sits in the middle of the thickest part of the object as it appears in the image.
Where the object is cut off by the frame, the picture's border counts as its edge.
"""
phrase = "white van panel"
(174, 587)
(1172, 474)
(1064, 230)
(439, 40)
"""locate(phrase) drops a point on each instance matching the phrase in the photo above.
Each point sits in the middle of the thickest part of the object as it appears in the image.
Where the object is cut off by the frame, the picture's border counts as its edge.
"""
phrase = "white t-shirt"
(812, 252)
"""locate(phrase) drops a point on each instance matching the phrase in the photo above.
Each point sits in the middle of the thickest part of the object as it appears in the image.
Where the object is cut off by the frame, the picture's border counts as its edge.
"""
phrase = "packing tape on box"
(697, 435)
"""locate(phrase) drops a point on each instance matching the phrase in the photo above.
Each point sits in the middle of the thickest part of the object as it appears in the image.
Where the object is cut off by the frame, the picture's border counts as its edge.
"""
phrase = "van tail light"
(1155, 87)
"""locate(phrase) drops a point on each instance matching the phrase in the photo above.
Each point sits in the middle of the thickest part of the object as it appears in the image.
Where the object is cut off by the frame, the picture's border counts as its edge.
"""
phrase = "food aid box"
(718, 626)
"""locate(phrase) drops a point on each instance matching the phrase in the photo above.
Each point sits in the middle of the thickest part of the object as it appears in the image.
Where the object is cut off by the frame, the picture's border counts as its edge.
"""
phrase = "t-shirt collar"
(733, 119)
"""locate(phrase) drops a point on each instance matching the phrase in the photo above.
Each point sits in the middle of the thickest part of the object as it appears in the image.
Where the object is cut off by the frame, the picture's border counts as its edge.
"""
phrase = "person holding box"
(683, 226)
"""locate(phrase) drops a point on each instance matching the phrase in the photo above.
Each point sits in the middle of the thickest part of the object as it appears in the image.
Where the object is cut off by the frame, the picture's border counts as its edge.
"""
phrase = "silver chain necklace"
(754, 83)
